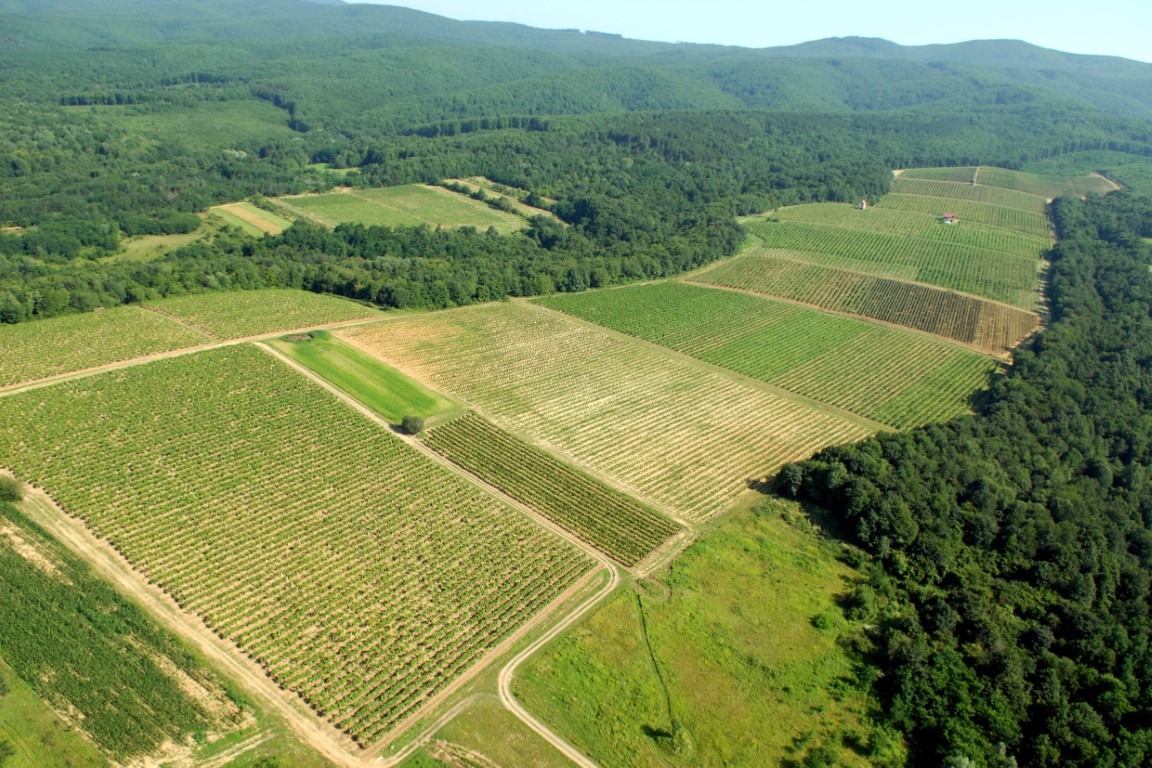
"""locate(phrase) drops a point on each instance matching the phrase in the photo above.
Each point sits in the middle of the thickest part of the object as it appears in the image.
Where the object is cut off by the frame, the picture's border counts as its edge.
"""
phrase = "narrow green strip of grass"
(378, 386)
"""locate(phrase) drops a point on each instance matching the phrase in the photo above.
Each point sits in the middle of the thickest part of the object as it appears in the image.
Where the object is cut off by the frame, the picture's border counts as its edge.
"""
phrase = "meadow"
(734, 657)
(239, 314)
(255, 221)
(378, 386)
(355, 571)
(675, 433)
(87, 340)
(889, 375)
(611, 521)
(404, 206)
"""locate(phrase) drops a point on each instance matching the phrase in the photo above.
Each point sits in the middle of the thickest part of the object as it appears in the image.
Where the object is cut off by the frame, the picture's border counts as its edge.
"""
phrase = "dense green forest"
(1009, 553)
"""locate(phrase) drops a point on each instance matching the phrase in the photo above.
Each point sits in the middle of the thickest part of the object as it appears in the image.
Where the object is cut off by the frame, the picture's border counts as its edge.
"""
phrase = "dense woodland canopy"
(1009, 554)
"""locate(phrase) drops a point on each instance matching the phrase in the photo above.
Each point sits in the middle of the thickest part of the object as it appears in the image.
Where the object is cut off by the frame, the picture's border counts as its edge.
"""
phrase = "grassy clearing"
(655, 425)
(38, 736)
(861, 367)
(514, 197)
(378, 386)
(1131, 171)
(406, 206)
(294, 526)
(237, 314)
(740, 647)
(611, 521)
(81, 645)
(76, 342)
(209, 123)
(988, 326)
(253, 220)
(145, 248)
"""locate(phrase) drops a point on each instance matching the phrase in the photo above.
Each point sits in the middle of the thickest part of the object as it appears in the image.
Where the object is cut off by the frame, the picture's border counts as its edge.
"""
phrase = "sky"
(1107, 27)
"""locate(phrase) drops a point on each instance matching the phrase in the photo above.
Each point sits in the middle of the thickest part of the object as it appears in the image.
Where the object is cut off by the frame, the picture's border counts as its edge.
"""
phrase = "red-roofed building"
(949, 218)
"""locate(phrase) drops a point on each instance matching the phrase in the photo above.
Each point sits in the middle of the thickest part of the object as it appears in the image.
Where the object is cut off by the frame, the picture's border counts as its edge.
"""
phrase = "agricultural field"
(997, 275)
(666, 429)
(81, 645)
(1033, 223)
(514, 196)
(255, 221)
(239, 314)
(611, 521)
(951, 190)
(33, 736)
(734, 657)
(405, 206)
(356, 571)
(892, 376)
(41, 348)
(921, 226)
(987, 326)
(383, 389)
(1046, 186)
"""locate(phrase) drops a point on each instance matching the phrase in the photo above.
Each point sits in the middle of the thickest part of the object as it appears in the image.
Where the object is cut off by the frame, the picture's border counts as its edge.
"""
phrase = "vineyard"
(1008, 198)
(1017, 219)
(356, 571)
(238, 314)
(81, 645)
(926, 226)
(988, 326)
(1045, 186)
(891, 376)
(609, 520)
(84, 341)
(993, 275)
(654, 425)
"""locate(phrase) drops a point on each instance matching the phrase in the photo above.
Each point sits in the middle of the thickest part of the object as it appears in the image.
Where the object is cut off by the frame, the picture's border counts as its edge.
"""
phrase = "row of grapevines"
(1009, 198)
(993, 275)
(655, 425)
(962, 174)
(989, 326)
(1017, 219)
(238, 314)
(93, 654)
(35, 350)
(359, 573)
(854, 365)
(1042, 185)
(609, 520)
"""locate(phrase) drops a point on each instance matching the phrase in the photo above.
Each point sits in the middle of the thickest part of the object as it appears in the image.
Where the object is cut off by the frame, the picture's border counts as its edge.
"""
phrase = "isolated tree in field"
(412, 425)
(10, 489)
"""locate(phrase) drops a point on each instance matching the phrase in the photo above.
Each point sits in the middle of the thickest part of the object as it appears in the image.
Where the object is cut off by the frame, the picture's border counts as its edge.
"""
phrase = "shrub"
(412, 425)
(10, 489)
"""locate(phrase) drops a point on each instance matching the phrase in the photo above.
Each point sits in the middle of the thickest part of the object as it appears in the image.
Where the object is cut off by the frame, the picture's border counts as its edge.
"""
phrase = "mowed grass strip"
(988, 326)
(927, 226)
(237, 314)
(405, 206)
(861, 367)
(1017, 219)
(1000, 276)
(659, 427)
(356, 571)
(378, 386)
(40, 348)
(609, 520)
(742, 650)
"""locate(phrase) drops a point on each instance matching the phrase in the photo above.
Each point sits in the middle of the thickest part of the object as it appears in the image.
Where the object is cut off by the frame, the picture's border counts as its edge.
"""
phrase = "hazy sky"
(1111, 27)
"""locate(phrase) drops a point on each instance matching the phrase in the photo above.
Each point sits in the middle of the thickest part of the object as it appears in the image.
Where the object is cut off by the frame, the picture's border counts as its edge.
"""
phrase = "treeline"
(1008, 555)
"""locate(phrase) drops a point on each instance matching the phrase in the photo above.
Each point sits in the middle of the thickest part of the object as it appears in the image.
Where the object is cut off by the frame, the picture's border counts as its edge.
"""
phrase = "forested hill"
(1010, 553)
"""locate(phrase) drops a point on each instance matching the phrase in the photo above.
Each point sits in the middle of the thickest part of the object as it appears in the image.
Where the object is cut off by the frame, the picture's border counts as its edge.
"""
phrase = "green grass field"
(740, 645)
(872, 370)
(251, 219)
(378, 386)
(987, 326)
(1130, 171)
(293, 525)
(38, 737)
(611, 521)
(40, 348)
(673, 432)
(406, 206)
(237, 314)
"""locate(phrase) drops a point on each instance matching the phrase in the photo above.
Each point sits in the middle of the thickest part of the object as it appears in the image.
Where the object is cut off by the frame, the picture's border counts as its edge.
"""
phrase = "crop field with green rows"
(1008, 198)
(355, 570)
(988, 326)
(609, 520)
(70, 343)
(237, 314)
(666, 429)
(895, 377)
(1012, 279)
(1017, 219)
